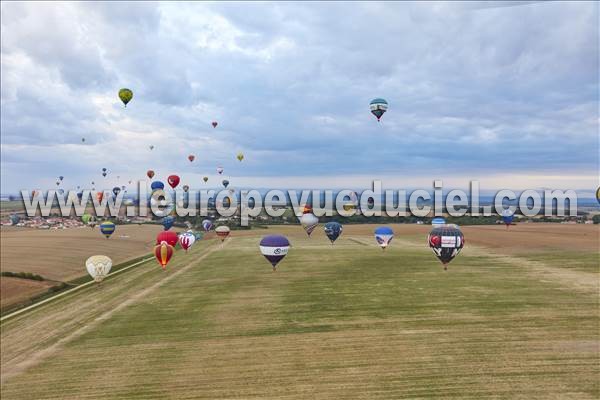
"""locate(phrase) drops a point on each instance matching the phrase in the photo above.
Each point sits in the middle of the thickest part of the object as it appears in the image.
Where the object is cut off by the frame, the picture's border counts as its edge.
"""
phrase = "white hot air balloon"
(309, 222)
(98, 267)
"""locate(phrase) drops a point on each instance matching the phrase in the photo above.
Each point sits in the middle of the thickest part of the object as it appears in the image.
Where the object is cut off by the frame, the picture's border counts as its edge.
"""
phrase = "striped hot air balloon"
(274, 248)
(309, 223)
(222, 232)
(107, 228)
(163, 253)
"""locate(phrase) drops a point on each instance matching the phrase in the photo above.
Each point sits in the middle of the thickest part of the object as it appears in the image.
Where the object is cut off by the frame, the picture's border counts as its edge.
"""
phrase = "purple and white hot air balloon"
(274, 248)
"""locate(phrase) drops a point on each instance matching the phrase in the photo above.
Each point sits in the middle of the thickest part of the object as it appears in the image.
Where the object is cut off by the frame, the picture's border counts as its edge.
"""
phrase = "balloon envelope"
(107, 228)
(309, 222)
(163, 253)
(168, 222)
(191, 157)
(186, 240)
(222, 232)
(207, 225)
(333, 230)
(173, 181)
(98, 267)
(274, 248)
(378, 107)
(384, 236)
(225, 183)
(507, 217)
(446, 242)
(219, 170)
(150, 173)
(14, 219)
(125, 95)
(157, 185)
(214, 124)
(116, 191)
(169, 237)
(438, 221)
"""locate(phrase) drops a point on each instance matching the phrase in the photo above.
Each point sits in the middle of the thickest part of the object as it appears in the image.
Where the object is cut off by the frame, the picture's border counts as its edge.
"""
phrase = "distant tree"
(596, 219)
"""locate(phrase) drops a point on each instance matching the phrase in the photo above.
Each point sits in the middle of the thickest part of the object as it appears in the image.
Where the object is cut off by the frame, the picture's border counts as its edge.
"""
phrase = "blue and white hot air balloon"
(507, 217)
(384, 236)
(274, 248)
(438, 221)
(207, 225)
(378, 107)
(157, 185)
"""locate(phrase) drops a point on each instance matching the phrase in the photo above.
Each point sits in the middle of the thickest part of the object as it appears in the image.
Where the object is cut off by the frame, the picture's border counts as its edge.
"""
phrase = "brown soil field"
(16, 290)
(60, 254)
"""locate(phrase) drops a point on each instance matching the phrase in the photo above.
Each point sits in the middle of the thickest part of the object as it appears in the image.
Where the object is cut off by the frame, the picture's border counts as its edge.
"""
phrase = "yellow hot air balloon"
(240, 156)
(125, 95)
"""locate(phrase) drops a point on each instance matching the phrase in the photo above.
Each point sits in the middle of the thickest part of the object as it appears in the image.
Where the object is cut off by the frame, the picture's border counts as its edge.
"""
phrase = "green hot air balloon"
(125, 95)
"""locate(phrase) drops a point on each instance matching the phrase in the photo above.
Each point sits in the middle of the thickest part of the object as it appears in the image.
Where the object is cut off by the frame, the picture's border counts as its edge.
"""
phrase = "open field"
(59, 255)
(341, 321)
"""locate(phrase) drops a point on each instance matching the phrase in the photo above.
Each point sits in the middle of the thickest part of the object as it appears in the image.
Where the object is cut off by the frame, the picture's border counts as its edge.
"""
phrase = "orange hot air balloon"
(307, 209)
(163, 253)
(191, 157)
(99, 196)
(150, 173)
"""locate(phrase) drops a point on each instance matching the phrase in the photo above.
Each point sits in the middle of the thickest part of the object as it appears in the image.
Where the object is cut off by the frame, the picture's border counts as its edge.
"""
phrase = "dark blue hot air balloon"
(168, 222)
(378, 107)
(274, 248)
(333, 230)
(14, 219)
(207, 225)
(446, 242)
(116, 190)
(157, 185)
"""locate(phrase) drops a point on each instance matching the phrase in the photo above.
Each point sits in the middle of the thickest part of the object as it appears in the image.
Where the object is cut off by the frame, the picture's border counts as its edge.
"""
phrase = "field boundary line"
(46, 352)
(48, 300)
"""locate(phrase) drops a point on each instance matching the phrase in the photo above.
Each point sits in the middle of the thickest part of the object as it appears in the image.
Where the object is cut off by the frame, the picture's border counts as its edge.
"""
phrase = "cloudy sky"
(506, 95)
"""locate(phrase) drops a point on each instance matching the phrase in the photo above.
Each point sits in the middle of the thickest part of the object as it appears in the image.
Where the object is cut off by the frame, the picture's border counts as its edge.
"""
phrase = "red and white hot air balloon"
(187, 240)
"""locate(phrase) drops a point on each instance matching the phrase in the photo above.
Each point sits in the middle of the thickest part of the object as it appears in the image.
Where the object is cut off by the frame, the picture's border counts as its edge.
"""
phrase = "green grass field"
(335, 322)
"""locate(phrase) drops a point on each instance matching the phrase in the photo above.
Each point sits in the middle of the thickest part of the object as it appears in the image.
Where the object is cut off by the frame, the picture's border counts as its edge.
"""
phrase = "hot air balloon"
(220, 170)
(104, 174)
(125, 95)
(198, 235)
(104, 169)
(163, 253)
(168, 222)
(274, 248)
(222, 232)
(240, 156)
(225, 183)
(507, 217)
(151, 147)
(116, 190)
(191, 157)
(446, 242)
(438, 221)
(57, 183)
(307, 209)
(173, 181)
(150, 173)
(378, 107)
(107, 228)
(598, 194)
(85, 218)
(157, 185)
(333, 230)
(186, 188)
(186, 240)
(98, 267)
(205, 179)
(309, 223)
(82, 140)
(214, 124)
(207, 225)
(169, 237)
(93, 183)
(99, 196)
(14, 219)
(61, 191)
(384, 236)
(61, 177)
